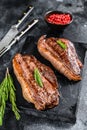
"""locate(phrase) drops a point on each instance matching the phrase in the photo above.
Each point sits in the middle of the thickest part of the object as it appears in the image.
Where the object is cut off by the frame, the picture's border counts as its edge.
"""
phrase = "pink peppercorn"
(59, 19)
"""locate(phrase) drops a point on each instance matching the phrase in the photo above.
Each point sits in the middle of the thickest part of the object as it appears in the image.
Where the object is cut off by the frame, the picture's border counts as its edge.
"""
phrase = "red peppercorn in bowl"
(57, 19)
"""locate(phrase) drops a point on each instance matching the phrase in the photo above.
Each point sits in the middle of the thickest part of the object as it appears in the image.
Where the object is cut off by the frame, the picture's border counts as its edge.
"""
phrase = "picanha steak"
(62, 55)
(43, 97)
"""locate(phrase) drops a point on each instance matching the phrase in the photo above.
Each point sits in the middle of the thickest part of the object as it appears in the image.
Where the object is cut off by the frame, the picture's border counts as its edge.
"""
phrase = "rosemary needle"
(37, 77)
(62, 45)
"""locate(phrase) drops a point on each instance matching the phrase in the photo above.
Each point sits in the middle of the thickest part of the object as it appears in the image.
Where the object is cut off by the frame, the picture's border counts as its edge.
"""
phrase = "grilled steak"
(42, 97)
(64, 60)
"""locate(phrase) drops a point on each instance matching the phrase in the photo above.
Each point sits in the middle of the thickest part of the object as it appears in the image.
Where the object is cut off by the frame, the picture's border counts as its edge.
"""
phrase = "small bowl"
(57, 26)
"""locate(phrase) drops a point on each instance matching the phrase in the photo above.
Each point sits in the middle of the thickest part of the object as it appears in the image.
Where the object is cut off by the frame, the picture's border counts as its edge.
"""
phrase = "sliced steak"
(42, 97)
(64, 60)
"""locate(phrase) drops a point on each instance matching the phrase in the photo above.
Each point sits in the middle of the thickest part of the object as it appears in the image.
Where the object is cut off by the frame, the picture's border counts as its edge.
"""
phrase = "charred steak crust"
(42, 98)
(64, 60)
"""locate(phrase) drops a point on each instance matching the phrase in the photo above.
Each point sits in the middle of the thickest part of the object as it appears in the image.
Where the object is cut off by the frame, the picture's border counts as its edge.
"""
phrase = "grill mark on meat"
(35, 90)
(30, 64)
(62, 66)
(43, 71)
(59, 51)
(25, 72)
(45, 97)
(48, 75)
(37, 65)
(66, 55)
(38, 94)
(19, 72)
(56, 49)
(56, 56)
(48, 51)
(72, 56)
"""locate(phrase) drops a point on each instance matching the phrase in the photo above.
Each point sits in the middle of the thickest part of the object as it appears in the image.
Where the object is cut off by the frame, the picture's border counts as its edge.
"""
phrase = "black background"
(10, 12)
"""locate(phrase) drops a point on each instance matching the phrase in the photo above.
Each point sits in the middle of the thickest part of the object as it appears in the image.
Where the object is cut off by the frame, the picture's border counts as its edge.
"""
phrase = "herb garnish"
(61, 44)
(7, 90)
(37, 77)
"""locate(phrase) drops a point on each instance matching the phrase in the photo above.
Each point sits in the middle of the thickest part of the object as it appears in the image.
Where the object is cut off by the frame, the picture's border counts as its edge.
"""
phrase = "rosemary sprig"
(62, 45)
(7, 90)
(12, 96)
(37, 77)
